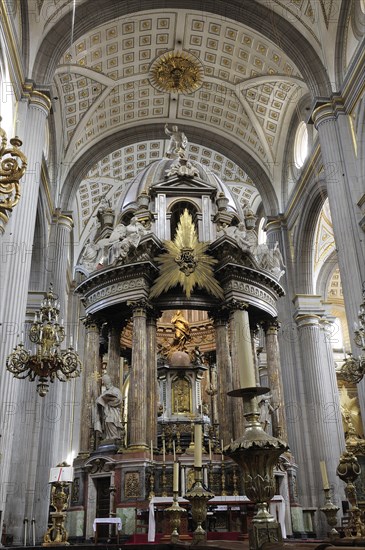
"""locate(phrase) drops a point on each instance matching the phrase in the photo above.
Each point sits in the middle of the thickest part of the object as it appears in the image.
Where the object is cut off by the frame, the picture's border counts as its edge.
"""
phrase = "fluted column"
(224, 376)
(152, 383)
(344, 189)
(61, 394)
(275, 378)
(15, 269)
(90, 382)
(138, 390)
(322, 404)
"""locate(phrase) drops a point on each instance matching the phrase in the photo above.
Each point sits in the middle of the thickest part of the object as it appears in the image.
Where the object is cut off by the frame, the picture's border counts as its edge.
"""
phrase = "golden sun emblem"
(177, 72)
(185, 263)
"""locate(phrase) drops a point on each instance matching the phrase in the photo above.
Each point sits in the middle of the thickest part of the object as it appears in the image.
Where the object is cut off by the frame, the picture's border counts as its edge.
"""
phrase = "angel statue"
(178, 142)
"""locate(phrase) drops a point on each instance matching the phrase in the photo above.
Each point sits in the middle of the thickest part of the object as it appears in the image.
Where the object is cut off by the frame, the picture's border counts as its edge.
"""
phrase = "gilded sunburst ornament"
(177, 72)
(185, 263)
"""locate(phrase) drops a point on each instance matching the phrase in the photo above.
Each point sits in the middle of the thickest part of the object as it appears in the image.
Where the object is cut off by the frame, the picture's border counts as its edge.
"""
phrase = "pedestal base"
(259, 533)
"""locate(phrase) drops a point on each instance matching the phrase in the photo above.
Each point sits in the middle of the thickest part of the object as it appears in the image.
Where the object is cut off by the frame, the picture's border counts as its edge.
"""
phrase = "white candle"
(151, 451)
(198, 445)
(210, 450)
(173, 447)
(322, 465)
(163, 451)
(175, 482)
(242, 337)
(222, 449)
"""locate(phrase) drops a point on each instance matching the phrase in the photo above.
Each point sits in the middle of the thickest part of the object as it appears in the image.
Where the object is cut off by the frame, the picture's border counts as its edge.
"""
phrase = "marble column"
(344, 189)
(152, 382)
(114, 353)
(322, 404)
(275, 381)
(224, 377)
(138, 390)
(15, 266)
(91, 375)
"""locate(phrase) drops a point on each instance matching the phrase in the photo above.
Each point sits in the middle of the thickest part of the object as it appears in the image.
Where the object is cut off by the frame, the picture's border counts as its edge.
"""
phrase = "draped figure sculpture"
(108, 420)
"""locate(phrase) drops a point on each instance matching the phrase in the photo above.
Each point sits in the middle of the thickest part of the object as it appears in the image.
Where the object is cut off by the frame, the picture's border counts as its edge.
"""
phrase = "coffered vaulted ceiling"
(250, 91)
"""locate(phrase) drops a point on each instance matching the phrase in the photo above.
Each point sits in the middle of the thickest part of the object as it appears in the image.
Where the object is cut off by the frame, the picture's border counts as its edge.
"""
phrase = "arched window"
(301, 145)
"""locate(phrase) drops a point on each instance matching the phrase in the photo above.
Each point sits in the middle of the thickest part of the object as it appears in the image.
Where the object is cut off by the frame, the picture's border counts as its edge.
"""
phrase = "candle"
(163, 451)
(222, 449)
(242, 337)
(210, 450)
(173, 448)
(151, 451)
(198, 446)
(322, 465)
(175, 482)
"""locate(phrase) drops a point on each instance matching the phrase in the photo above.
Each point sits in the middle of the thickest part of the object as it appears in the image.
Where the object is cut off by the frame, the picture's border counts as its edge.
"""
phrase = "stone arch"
(341, 38)
(200, 136)
(262, 19)
(326, 273)
(305, 231)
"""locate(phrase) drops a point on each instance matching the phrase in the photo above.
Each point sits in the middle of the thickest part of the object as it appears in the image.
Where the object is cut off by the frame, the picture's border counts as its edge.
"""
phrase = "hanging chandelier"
(353, 370)
(48, 362)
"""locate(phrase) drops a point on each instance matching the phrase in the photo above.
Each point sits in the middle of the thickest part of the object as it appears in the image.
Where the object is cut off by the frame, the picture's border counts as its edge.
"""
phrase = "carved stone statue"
(90, 255)
(178, 142)
(270, 259)
(108, 414)
(123, 238)
(266, 410)
(240, 236)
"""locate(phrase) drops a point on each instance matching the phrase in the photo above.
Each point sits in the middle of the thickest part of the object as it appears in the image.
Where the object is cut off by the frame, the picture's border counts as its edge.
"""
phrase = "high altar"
(179, 298)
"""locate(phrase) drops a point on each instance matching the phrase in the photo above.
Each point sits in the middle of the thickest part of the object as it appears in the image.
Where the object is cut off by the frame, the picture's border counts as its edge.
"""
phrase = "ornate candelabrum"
(198, 497)
(175, 512)
(257, 453)
(13, 164)
(57, 535)
(330, 510)
(48, 362)
(348, 470)
(152, 482)
(164, 480)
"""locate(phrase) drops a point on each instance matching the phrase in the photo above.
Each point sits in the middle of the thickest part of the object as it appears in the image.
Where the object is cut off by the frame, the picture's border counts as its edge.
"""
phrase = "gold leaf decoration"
(185, 263)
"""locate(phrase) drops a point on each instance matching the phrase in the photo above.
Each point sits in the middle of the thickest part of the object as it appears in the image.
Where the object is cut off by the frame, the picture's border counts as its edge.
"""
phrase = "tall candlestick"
(151, 451)
(322, 465)
(175, 482)
(198, 445)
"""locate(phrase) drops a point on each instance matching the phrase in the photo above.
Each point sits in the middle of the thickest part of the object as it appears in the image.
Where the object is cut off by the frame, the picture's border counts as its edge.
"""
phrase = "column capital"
(220, 316)
(237, 305)
(327, 109)
(36, 98)
(139, 307)
(270, 326)
(63, 218)
(307, 320)
(92, 323)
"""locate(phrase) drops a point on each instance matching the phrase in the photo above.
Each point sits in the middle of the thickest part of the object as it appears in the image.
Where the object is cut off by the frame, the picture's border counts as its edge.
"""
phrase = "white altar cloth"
(117, 521)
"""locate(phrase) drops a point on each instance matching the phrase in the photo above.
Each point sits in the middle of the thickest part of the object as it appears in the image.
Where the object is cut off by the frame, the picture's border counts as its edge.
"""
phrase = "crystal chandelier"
(353, 370)
(48, 361)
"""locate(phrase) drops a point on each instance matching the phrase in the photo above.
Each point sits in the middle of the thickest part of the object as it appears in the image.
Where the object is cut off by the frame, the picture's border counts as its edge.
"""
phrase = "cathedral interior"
(182, 272)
